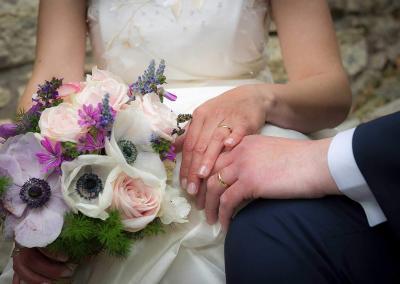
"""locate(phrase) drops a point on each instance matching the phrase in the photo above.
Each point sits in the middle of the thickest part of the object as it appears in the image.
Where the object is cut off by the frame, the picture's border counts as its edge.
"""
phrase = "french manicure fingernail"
(229, 141)
(184, 183)
(191, 188)
(203, 171)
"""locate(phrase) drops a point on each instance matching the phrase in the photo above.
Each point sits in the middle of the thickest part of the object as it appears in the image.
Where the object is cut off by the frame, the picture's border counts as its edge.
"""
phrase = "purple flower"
(33, 202)
(91, 143)
(107, 113)
(170, 155)
(52, 157)
(169, 96)
(89, 115)
(8, 130)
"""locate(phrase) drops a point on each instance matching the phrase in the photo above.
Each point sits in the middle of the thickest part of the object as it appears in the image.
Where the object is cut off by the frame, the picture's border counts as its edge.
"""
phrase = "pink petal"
(69, 89)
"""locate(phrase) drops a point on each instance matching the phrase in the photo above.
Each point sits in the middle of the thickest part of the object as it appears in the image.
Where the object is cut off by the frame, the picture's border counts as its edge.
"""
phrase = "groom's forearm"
(310, 104)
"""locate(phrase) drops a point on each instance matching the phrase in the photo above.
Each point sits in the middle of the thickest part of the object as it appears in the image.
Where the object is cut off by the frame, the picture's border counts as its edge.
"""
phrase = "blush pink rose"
(137, 202)
(60, 123)
(98, 85)
(162, 119)
(68, 90)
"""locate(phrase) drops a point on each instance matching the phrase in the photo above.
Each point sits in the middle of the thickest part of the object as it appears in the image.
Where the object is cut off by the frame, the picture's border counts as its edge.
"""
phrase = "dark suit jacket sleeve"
(376, 148)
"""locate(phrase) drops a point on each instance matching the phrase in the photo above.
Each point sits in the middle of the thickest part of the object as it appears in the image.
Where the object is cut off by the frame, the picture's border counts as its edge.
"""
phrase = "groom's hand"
(267, 167)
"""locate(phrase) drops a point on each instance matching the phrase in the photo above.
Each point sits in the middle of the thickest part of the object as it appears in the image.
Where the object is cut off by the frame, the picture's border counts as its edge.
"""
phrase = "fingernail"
(191, 188)
(184, 183)
(67, 273)
(203, 171)
(229, 141)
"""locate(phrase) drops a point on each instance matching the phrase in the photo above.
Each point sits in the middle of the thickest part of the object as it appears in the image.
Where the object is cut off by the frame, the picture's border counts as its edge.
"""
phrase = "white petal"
(174, 208)
(101, 166)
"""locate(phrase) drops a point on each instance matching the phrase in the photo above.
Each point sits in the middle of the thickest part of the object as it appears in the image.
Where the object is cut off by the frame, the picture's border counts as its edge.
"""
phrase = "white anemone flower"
(130, 144)
(83, 184)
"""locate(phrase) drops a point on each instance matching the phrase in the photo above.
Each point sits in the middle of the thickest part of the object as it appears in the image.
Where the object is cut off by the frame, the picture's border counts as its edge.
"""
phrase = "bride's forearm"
(60, 48)
(310, 104)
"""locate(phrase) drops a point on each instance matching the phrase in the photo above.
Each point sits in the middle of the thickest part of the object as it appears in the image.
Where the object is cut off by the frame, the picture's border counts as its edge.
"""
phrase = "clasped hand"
(223, 169)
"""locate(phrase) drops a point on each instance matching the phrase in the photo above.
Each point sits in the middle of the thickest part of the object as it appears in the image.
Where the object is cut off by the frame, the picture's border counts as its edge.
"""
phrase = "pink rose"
(98, 85)
(162, 118)
(60, 123)
(137, 202)
(67, 90)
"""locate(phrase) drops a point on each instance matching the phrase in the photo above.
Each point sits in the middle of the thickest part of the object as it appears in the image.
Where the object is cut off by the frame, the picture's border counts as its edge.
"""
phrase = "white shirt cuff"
(349, 179)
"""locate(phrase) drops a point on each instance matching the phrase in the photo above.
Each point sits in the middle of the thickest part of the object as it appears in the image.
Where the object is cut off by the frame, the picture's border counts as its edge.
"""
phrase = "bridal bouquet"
(88, 167)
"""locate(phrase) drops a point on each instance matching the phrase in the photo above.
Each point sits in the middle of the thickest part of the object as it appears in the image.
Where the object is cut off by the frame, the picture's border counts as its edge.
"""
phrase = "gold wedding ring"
(221, 181)
(226, 126)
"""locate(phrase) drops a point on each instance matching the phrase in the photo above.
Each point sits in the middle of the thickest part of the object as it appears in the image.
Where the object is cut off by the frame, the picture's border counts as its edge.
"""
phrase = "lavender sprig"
(150, 80)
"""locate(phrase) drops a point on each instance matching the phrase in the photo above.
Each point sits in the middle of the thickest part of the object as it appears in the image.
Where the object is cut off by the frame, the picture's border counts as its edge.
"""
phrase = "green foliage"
(5, 182)
(69, 150)
(152, 229)
(83, 236)
(161, 146)
(116, 242)
(27, 122)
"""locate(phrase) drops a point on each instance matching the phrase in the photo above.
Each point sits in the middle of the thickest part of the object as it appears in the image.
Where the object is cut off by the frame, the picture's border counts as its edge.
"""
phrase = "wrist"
(266, 99)
(322, 183)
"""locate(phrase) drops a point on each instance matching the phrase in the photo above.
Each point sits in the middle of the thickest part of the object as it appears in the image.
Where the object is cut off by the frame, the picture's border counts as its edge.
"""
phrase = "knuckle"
(189, 144)
(200, 148)
(218, 136)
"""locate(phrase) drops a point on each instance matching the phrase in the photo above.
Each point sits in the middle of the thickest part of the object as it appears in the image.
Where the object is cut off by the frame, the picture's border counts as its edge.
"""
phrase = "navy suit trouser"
(319, 241)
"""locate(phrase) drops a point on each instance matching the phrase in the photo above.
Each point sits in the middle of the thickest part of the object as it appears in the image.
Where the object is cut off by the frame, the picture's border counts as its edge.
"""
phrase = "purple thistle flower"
(8, 130)
(170, 155)
(52, 158)
(89, 143)
(169, 96)
(89, 115)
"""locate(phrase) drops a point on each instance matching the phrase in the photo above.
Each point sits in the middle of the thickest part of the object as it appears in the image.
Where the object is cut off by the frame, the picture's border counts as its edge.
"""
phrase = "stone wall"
(368, 32)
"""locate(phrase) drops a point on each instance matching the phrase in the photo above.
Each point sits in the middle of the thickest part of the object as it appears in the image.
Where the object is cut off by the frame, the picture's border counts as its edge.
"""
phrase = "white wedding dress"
(210, 46)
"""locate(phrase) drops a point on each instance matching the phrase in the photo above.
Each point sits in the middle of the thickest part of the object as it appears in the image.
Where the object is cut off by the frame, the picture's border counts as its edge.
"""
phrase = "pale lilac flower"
(169, 96)
(52, 157)
(170, 155)
(89, 143)
(33, 202)
(89, 116)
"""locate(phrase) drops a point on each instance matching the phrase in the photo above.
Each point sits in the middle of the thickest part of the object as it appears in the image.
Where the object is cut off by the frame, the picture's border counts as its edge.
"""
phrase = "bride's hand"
(32, 265)
(267, 167)
(220, 122)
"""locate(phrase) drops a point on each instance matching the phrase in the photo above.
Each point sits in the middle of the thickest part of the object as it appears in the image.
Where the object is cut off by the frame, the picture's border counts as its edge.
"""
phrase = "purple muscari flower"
(34, 202)
(170, 155)
(8, 130)
(107, 113)
(89, 116)
(52, 157)
(89, 143)
(169, 96)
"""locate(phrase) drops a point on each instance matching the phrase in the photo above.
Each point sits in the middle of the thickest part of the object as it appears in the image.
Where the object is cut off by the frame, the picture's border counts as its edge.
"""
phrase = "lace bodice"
(200, 40)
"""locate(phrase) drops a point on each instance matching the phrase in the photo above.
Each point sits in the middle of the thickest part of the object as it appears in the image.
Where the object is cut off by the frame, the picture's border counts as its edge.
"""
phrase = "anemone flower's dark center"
(129, 150)
(89, 186)
(35, 192)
